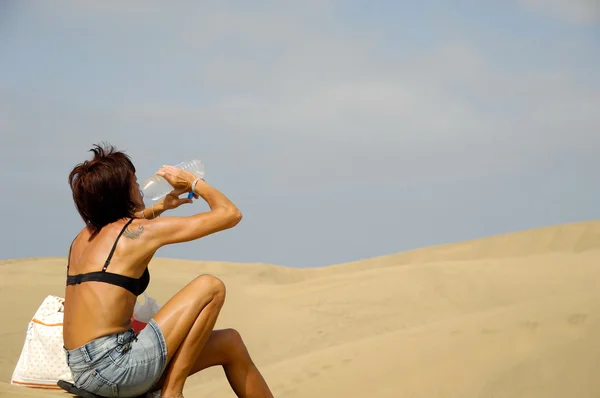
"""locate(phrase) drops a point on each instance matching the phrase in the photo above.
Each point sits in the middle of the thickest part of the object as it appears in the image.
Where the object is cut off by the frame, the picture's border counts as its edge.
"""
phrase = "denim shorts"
(121, 364)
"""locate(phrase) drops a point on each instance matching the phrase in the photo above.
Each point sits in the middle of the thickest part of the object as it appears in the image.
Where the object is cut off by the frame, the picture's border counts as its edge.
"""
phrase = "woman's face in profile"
(138, 194)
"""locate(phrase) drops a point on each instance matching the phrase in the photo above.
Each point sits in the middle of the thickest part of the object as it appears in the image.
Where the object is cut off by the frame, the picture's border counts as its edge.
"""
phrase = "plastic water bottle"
(156, 187)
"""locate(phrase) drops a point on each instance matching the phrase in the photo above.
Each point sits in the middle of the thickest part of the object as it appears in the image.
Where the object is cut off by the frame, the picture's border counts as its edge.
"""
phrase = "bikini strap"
(115, 246)
(69, 258)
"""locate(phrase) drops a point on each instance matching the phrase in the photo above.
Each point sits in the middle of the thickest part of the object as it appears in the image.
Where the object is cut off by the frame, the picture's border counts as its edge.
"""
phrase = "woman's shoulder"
(135, 228)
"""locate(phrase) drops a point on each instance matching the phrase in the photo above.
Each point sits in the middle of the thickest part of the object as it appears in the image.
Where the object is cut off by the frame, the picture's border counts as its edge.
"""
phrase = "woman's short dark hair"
(102, 187)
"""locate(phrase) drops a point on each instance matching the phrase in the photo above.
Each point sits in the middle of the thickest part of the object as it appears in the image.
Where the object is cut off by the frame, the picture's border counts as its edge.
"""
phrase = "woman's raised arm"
(223, 213)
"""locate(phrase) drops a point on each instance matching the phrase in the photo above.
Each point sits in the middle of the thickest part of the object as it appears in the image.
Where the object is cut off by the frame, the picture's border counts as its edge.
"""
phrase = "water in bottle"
(156, 187)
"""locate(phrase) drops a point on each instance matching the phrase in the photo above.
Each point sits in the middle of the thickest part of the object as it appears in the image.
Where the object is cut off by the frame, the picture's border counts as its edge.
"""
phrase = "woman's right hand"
(180, 180)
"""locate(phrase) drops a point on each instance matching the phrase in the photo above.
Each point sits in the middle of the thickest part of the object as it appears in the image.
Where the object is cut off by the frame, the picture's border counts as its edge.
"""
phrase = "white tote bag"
(42, 362)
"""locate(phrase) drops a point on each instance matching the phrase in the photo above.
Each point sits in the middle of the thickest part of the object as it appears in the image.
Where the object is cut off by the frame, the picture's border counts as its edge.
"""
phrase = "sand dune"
(515, 315)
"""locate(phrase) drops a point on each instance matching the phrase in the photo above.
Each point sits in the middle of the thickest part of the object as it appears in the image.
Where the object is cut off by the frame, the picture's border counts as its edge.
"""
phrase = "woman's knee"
(234, 345)
(211, 285)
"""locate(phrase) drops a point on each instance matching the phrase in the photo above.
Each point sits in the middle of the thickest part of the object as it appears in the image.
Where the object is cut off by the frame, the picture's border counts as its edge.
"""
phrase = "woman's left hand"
(172, 201)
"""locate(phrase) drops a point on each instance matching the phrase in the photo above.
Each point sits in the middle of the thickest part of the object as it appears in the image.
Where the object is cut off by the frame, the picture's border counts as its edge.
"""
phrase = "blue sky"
(342, 130)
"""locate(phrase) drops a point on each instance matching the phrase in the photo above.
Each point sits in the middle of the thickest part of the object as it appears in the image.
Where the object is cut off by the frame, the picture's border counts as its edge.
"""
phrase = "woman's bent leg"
(226, 348)
(187, 321)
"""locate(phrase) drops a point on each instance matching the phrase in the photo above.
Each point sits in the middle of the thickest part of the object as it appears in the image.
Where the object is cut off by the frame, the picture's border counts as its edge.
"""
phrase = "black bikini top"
(135, 286)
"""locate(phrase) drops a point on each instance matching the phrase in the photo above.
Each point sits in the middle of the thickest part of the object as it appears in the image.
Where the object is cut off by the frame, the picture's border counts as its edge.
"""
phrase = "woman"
(107, 270)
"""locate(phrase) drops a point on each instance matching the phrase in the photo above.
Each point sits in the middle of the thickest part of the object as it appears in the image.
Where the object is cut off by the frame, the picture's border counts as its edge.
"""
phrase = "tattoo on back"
(133, 234)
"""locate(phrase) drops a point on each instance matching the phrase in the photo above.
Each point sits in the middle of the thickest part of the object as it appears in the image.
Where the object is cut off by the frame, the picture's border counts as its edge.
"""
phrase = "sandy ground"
(516, 315)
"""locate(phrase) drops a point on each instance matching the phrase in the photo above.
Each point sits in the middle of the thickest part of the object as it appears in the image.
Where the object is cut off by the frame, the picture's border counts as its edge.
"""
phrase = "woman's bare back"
(95, 308)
